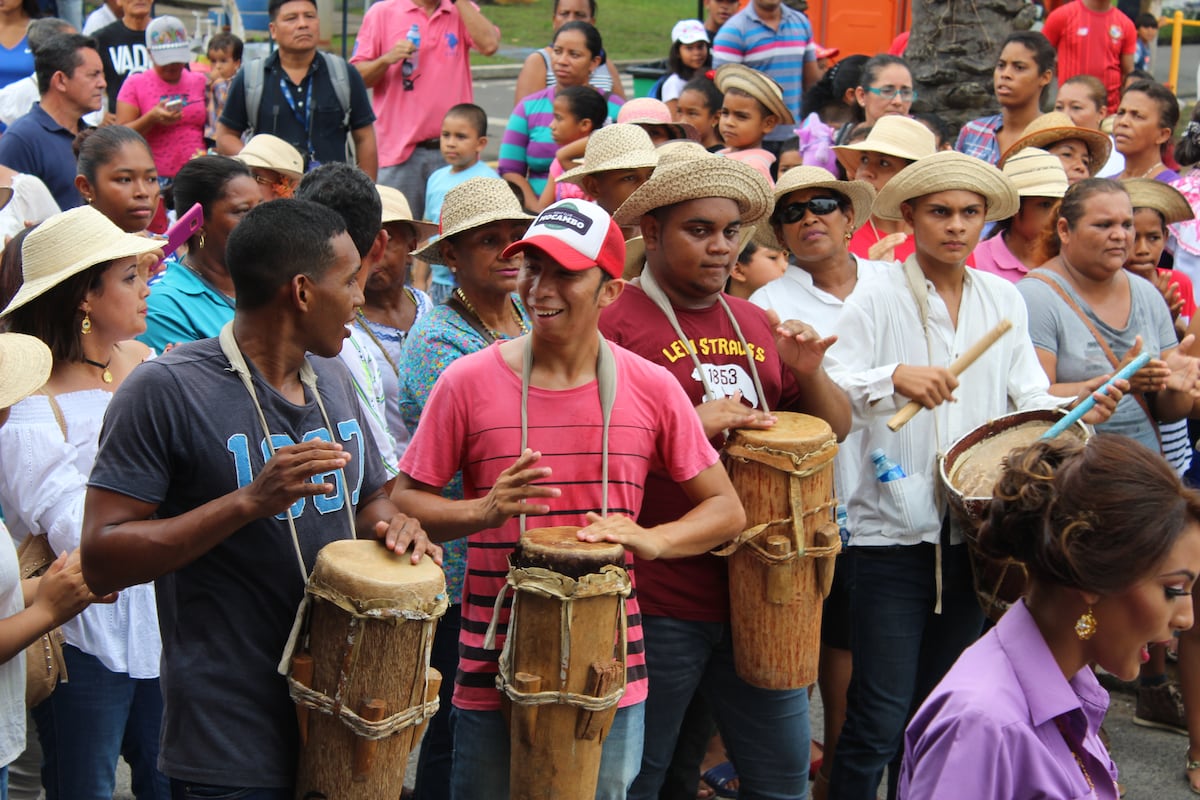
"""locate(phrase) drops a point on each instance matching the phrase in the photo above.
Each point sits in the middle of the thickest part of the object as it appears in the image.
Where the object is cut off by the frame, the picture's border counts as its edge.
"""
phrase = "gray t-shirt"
(180, 432)
(1056, 328)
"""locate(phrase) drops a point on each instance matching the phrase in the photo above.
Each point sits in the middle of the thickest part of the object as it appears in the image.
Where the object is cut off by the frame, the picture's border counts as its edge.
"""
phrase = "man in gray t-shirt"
(185, 491)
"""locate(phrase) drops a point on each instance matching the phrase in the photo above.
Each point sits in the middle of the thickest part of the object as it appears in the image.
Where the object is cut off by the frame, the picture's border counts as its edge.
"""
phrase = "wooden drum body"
(969, 471)
(781, 566)
(562, 668)
(364, 689)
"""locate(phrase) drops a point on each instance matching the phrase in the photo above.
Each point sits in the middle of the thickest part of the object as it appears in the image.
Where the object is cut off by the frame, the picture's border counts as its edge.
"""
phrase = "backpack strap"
(253, 75)
(341, 84)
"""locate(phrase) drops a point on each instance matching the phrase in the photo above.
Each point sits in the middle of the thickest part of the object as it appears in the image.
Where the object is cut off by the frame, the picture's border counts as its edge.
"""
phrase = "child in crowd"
(752, 107)
(1147, 39)
(578, 110)
(464, 137)
(789, 156)
(224, 60)
(690, 55)
(756, 266)
(699, 105)
(656, 119)
(619, 158)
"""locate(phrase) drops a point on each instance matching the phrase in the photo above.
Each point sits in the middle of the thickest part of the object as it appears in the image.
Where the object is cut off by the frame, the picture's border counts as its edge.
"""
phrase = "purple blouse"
(998, 723)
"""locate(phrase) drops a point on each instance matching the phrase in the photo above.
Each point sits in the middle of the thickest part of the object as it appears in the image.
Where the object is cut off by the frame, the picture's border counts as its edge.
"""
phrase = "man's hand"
(621, 530)
(401, 532)
(929, 386)
(514, 488)
(727, 413)
(285, 478)
(399, 51)
(799, 344)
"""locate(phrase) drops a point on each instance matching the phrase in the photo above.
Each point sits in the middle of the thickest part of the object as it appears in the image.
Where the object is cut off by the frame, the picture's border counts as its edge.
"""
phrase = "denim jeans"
(481, 755)
(92, 719)
(185, 790)
(437, 748)
(766, 731)
(901, 649)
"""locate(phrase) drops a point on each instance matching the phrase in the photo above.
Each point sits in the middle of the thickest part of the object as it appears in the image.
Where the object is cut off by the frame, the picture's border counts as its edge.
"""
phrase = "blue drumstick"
(1086, 405)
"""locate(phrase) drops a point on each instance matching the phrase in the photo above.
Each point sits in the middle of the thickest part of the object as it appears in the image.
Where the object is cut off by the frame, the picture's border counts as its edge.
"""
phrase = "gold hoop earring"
(85, 327)
(201, 247)
(1085, 626)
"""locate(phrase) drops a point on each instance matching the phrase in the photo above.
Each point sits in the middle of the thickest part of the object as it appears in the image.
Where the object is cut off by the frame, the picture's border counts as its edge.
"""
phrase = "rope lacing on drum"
(610, 580)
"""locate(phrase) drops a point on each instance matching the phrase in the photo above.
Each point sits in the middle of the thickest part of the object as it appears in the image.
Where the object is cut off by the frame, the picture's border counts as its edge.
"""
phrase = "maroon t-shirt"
(695, 588)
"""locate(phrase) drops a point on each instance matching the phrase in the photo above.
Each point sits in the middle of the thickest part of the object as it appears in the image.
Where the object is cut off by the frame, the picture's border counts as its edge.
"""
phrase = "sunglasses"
(406, 75)
(794, 212)
(890, 92)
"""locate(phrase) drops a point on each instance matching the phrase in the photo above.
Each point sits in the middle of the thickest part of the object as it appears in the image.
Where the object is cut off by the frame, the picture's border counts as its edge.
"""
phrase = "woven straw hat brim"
(473, 204)
(679, 130)
(895, 136)
(69, 243)
(1037, 173)
(396, 209)
(757, 85)
(25, 364)
(1098, 144)
(633, 159)
(947, 171)
(860, 193)
(710, 176)
(266, 151)
(1162, 197)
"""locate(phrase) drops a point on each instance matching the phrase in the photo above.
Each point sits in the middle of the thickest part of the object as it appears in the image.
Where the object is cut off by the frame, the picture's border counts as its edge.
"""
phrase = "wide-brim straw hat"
(1037, 173)
(25, 363)
(1056, 126)
(893, 135)
(620, 146)
(860, 193)
(270, 152)
(1162, 197)
(695, 178)
(473, 204)
(397, 209)
(680, 151)
(757, 85)
(947, 171)
(66, 245)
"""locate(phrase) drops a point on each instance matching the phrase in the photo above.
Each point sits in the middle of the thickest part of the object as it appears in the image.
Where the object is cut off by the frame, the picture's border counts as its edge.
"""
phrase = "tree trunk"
(953, 49)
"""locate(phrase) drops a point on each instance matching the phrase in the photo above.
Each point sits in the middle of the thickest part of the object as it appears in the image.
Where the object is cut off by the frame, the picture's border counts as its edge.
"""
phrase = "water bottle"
(843, 522)
(885, 469)
(414, 36)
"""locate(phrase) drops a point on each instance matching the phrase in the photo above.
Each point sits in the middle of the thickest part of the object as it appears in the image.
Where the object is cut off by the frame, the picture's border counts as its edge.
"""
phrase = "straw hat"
(66, 245)
(1056, 126)
(396, 209)
(945, 171)
(635, 257)
(704, 176)
(757, 85)
(652, 111)
(679, 151)
(1037, 173)
(1162, 197)
(473, 204)
(270, 152)
(860, 194)
(893, 135)
(614, 147)
(25, 364)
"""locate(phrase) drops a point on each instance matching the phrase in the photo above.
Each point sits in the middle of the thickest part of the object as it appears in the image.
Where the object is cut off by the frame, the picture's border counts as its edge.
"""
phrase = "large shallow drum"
(563, 664)
(363, 688)
(969, 471)
(781, 566)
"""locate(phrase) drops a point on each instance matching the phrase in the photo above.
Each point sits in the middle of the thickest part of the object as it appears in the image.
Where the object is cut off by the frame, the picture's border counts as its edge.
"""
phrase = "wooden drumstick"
(902, 417)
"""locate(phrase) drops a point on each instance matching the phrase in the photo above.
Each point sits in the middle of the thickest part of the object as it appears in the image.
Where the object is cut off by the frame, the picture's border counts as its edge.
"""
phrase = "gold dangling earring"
(85, 327)
(201, 247)
(1085, 626)
(849, 236)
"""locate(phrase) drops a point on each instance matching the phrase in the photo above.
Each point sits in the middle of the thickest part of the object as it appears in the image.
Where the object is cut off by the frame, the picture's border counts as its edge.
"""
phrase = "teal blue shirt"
(183, 308)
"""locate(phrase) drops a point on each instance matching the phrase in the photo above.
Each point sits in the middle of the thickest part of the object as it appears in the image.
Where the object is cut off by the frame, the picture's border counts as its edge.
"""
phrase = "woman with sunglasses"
(194, 298)
(1023, 72)
(814, 217)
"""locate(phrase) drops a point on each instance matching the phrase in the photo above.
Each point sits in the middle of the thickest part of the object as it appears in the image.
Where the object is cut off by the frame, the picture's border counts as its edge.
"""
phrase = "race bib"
(728, 379)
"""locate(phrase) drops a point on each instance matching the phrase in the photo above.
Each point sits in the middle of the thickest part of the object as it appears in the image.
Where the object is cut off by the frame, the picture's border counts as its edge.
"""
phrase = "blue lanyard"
(304, 119)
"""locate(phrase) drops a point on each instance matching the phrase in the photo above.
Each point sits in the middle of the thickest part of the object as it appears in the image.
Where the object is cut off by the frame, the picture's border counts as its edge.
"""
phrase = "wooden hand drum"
(563, 663)
(364, 689)
(781, 566)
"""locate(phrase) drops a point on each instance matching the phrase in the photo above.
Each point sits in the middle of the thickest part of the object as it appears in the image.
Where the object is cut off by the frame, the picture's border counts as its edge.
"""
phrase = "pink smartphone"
(183, 229)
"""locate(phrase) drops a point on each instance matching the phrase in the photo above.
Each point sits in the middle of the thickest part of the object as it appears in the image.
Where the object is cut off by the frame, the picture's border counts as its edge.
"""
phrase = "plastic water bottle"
(414, 36)
(843, 522)
(885, 469)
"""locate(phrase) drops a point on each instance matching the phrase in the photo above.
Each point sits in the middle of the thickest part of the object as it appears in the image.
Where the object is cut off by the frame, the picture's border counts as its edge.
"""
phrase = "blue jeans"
(90, 720)
(437, 748)
(901, 650)
(766, 731)
(481, 754)
(184, 790)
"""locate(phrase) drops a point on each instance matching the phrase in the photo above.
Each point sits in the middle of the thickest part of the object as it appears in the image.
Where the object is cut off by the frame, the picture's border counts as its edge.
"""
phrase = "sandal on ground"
(1191, 767)
(720, 779)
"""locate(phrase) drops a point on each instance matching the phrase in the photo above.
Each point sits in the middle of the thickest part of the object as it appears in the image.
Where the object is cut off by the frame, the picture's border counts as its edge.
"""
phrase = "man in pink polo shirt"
(414, 87)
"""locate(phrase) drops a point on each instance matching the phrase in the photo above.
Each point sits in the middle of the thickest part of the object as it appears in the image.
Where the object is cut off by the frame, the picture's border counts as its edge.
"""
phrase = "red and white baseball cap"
(577, 234)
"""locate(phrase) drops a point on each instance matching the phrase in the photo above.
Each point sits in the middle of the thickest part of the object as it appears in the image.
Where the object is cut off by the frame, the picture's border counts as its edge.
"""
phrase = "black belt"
(429, 144)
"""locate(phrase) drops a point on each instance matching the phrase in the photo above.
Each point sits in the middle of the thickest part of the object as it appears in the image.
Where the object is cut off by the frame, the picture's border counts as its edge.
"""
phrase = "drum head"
(558, 549)
(364, 569)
